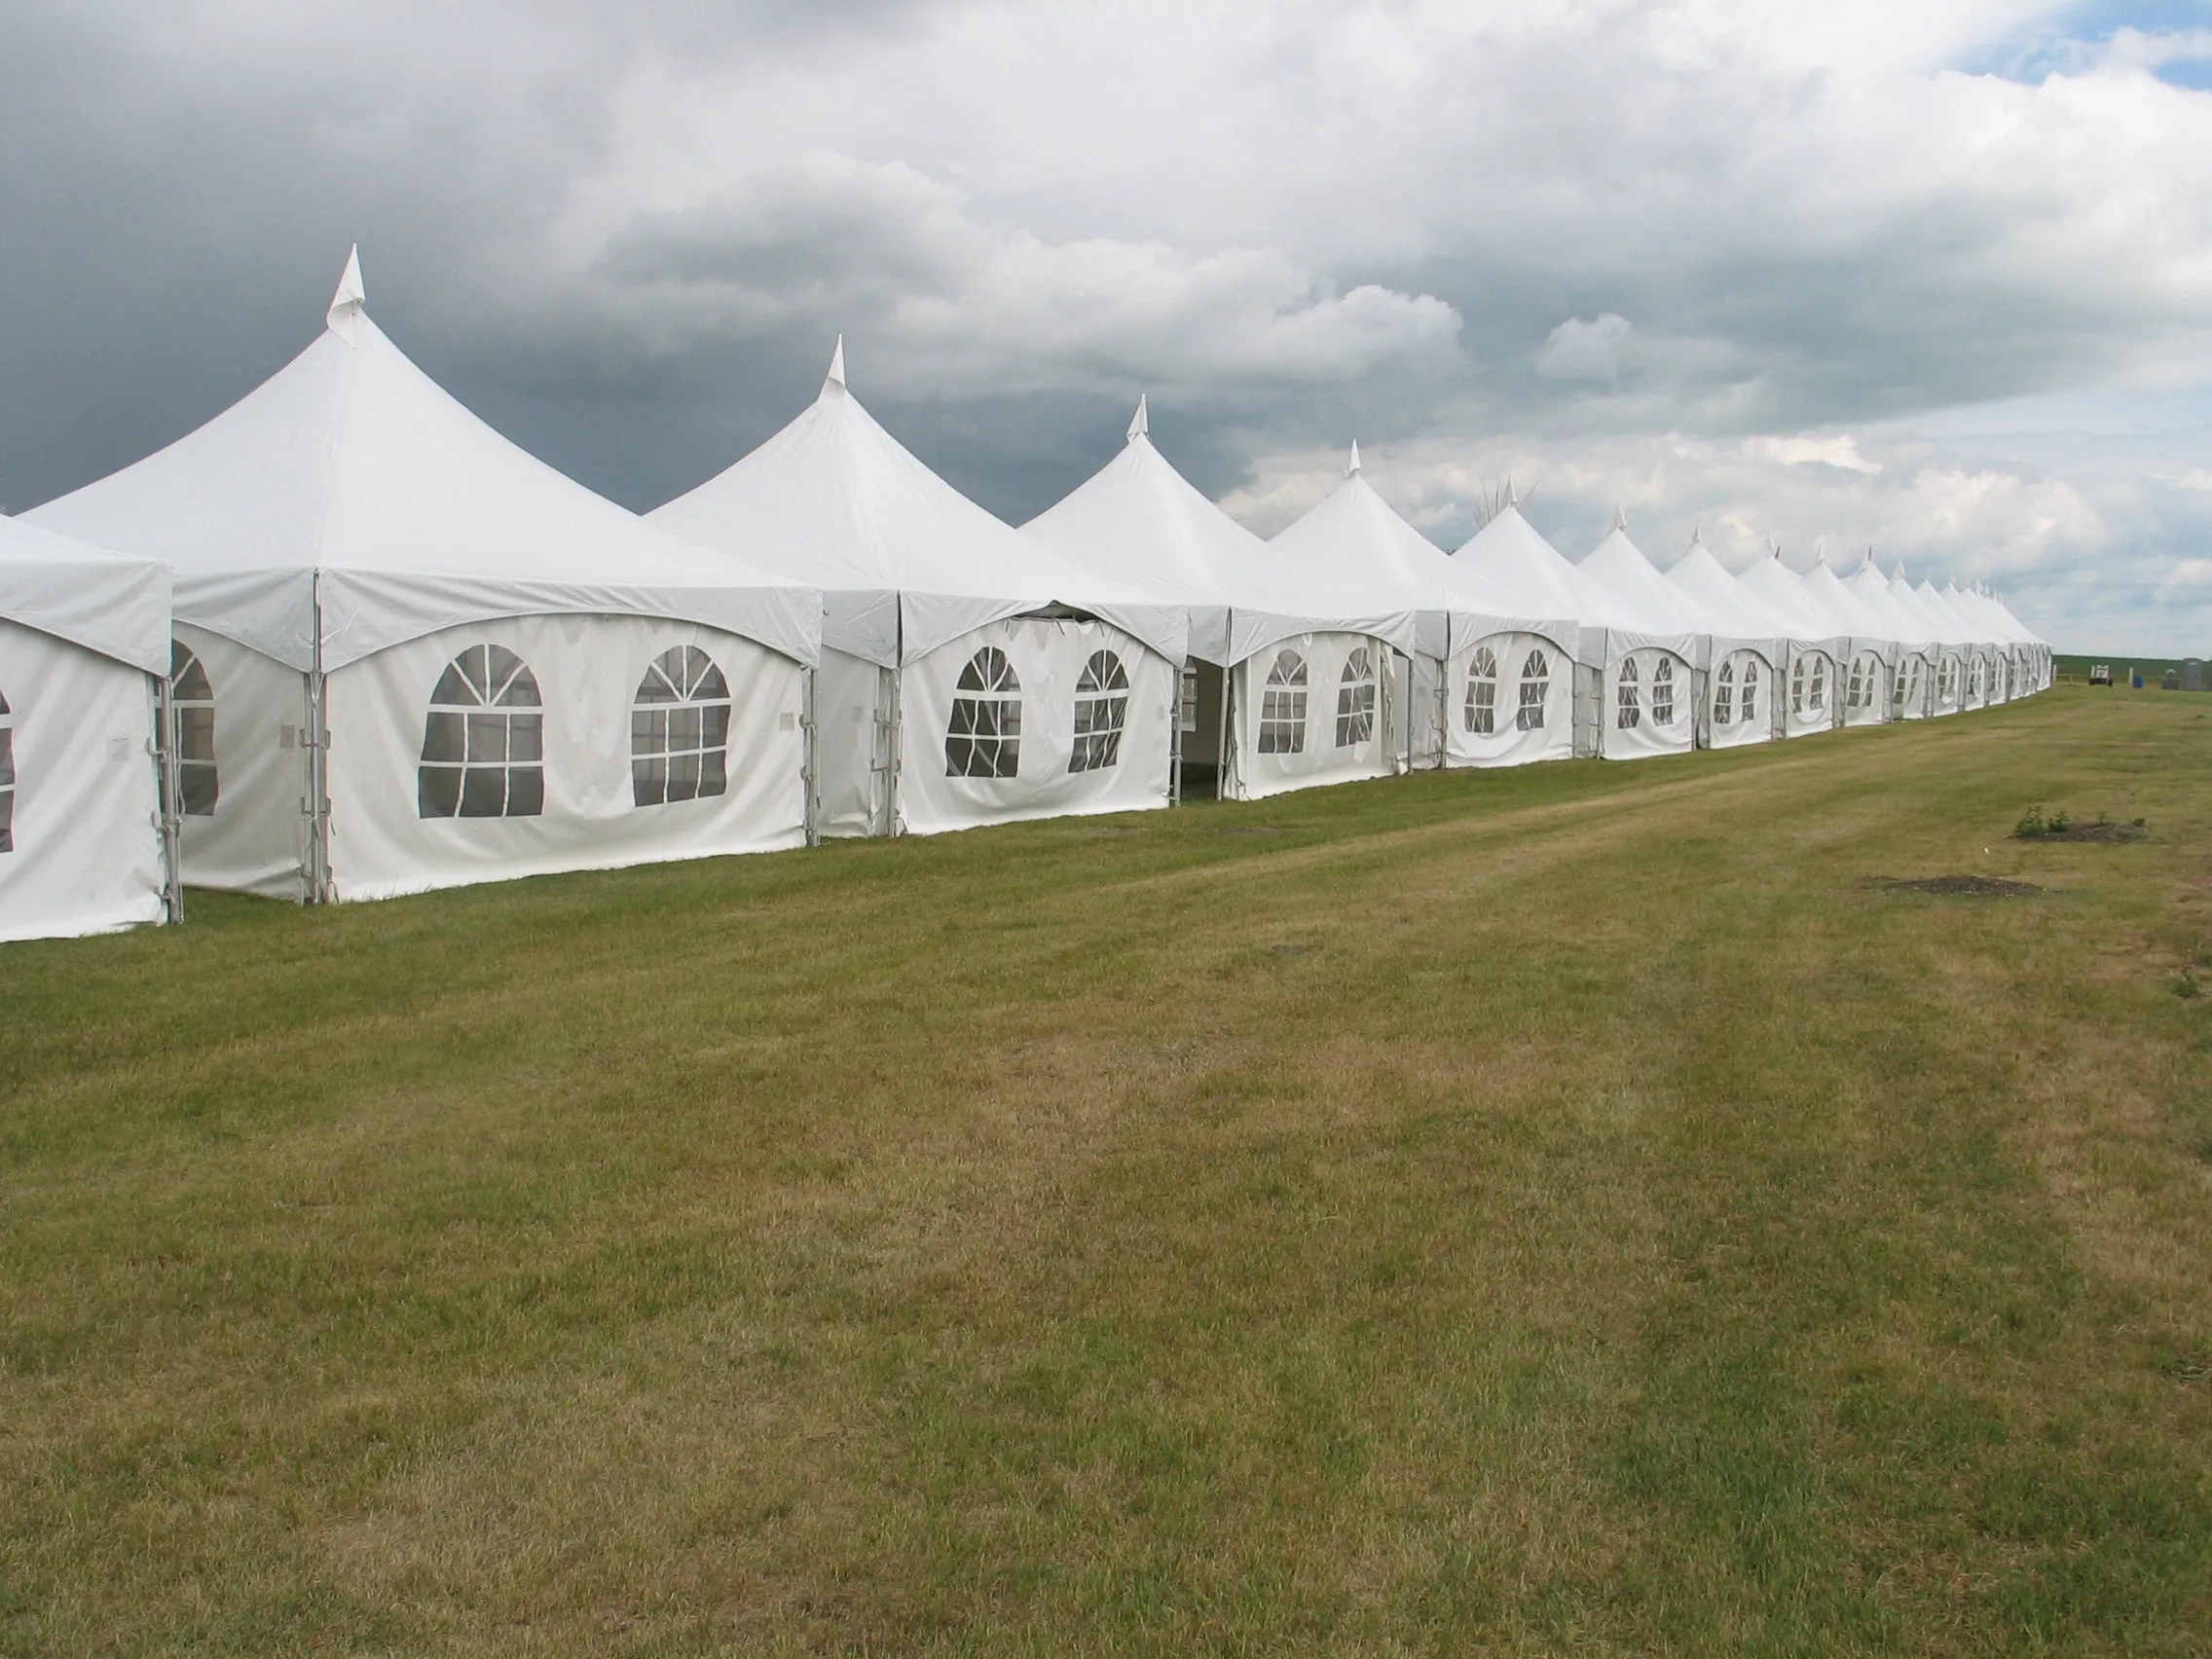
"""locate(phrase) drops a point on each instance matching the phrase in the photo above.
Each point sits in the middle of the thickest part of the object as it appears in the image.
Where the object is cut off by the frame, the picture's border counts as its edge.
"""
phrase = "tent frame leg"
(169, 820)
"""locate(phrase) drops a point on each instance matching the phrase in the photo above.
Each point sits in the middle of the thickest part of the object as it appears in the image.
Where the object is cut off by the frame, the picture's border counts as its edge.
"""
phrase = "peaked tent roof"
(351, 483)
(1139, 518)
(1935, 628)
(1730, 608)
(1872, 589)
(1961, 631)
(834, 499)
(104, 602)
(1537, 580)
(1619, 565)
(1825, 590)
(1776, 583)
(1354, 544)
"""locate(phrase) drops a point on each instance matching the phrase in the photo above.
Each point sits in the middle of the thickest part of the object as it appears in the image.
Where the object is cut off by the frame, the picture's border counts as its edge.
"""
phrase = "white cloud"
(1585, 351)
(630, 230)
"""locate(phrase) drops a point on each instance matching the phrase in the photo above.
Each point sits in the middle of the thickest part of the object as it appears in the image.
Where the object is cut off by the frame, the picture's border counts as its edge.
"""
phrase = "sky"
(1934, 280)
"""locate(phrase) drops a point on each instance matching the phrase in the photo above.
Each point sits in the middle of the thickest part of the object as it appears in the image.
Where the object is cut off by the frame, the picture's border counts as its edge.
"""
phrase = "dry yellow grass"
(1566, 1210)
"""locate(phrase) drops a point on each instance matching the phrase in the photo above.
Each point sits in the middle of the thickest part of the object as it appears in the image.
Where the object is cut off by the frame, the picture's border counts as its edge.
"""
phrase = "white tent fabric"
(1817, 651)
(1750, 647)
(84, 643)
(1961, 651)
(1873, 646)
(1352, 555)
(1945, 667)
(1542, 662)
(924, 591)
(1651, 693)
(348, 509)
(1913, 668)
(1303, 685)
(1981, 644)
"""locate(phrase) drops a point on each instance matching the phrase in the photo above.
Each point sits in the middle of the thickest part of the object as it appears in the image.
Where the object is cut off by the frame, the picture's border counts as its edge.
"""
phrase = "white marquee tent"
(1871, 663)
(412, 656)
(1750, 646)
(1947, 651)
(1529, 682)
(1912, 672)
(1817, 650)
(1653, 700)
(970, 676)
(1353, 555)
(1289, 691)
(83, 657)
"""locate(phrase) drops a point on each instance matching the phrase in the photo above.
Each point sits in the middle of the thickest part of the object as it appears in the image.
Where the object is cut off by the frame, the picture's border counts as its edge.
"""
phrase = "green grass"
(1567, 1209)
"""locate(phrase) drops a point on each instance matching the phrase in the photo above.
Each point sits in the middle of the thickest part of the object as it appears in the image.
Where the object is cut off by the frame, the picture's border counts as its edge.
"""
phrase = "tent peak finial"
(1697, 535)
(346, 304)
(836, 375)
(1620, 519)
(1140, 423)
(1351, 466)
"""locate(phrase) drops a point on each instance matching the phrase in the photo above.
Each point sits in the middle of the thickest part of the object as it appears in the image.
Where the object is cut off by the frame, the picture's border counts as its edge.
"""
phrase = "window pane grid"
(983, 736)
(679, 730)
(1663, 692)
(1480, 711)
(1101, 710)
(192, 733)
(1535, 686)
(481, 757)
(1282, 707)
(1356, 700)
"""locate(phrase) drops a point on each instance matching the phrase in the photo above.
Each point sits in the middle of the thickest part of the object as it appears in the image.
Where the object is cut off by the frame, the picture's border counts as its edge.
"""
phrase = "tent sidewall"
(1047, 656)
(1256, 776)
(85, 803)
(588, 670)
(1645, 735)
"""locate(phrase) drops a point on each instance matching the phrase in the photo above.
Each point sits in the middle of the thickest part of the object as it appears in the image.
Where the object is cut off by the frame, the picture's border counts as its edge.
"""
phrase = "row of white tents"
(346, 642)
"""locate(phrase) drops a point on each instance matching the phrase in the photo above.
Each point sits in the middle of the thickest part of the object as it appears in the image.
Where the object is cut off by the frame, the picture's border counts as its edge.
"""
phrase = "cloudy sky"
(1935, 278)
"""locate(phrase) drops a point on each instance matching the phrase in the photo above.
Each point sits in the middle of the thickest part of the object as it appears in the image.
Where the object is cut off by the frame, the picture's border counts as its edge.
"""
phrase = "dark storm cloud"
(1478, 238)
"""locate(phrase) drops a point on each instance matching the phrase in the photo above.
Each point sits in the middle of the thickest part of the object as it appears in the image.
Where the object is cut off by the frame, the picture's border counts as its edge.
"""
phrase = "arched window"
(1101, 710)
(1663, 692)
(1628, 699)
(1282, 707)
(1481, 710)
(1748, 693)
(1535, 686)
(192, 733)
(679, 729)
(1797, 687)
(7, 779)
(1724, 695)
(1817, 692)
(984, 738)
(484, 742)
(1356, 700)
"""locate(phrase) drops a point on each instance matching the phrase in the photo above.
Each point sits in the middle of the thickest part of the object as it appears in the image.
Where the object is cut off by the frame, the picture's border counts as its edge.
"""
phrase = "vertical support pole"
(1228, 731)
(809, 769)
(1186, 691)
(169, 819)
(316, 739)
(893, 824)
(1444, 706)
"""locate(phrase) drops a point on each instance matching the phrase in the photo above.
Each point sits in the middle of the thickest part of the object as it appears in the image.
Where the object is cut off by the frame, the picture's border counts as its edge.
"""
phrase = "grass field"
(1571, 1209)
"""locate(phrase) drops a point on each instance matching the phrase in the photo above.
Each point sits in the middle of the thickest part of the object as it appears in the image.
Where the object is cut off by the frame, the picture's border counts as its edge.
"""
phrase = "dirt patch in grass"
(1959, 886)
(2103, 834)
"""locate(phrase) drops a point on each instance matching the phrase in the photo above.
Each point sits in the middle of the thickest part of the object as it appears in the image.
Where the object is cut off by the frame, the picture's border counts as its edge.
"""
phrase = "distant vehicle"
(2100, 674)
